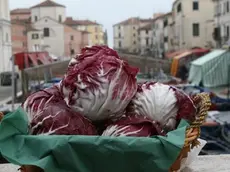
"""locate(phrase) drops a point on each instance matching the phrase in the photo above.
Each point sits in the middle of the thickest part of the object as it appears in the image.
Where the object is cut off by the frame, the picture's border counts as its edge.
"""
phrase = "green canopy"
(211, 69)
(87, 153)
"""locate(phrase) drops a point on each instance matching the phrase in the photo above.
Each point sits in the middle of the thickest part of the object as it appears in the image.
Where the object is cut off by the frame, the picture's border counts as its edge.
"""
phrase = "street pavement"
(6, 91)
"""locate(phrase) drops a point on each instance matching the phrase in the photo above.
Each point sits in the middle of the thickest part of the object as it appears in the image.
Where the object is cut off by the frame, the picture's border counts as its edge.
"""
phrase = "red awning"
(200, 51)
(30, 59)
(175, 53)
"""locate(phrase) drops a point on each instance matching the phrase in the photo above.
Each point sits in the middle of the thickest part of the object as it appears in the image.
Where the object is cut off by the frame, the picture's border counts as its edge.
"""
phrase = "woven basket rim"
(193, 131)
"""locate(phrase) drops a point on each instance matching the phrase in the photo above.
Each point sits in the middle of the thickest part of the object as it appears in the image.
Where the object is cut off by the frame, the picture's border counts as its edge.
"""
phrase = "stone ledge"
(215, 163)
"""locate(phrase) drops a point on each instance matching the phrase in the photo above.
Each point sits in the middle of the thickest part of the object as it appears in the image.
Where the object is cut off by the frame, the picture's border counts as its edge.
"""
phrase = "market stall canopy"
(176, 53)
(211, 69)
(200, 51)
(175, 63)
(31, 59)
(197, 51)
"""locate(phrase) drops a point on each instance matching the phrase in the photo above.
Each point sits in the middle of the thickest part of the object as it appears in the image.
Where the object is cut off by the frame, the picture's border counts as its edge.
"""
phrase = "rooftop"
(21, 21)
(134, 20)
(20, 11)
(48, 3)
(147, 26)
(71, 21)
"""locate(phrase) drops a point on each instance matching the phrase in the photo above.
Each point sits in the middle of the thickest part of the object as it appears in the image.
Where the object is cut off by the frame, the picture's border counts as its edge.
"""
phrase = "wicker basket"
(202, 102)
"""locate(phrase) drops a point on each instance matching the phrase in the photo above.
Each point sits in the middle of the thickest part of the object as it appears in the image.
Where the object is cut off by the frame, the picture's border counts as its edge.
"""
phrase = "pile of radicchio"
(48, 114)
(98, 84)
(99, 87)
(162, 103)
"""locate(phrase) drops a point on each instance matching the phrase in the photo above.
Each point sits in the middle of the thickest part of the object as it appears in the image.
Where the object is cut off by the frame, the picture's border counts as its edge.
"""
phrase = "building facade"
(193, 22)
(74, 40)
(126, 35)
(106, 38)
(168, 32)
(19, 36)
(35, 40)
(158, 36)
(94, 29)
(43, 28)
(5, 37)
(222, 21)
(20, 14)
(48, 8)
(145, 34)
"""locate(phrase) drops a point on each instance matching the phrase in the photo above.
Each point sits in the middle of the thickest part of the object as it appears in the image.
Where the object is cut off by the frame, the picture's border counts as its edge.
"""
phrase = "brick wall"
(18, 37)
(74, 40)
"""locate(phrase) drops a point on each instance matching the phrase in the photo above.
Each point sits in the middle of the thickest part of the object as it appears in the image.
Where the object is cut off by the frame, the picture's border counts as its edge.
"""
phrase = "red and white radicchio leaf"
(98, 84)
(49, 115)
(162, 103)
(135, 126)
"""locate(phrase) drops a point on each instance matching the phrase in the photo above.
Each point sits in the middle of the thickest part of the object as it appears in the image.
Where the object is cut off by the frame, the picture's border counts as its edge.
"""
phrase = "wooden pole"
(25, 83)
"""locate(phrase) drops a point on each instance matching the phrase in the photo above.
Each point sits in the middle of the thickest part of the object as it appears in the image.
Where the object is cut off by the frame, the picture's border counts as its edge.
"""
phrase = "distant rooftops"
(147, 27)
(134, 21)
(71, 21)
(20, 11)
(137, 20)
(48, 3)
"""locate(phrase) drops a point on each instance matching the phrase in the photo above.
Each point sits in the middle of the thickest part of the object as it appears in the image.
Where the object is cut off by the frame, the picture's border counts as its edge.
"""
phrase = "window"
(7, 37)
(147, 32)
(71, 37)
(46, 32)
(96, 37)
(165, 23)
(134, 27)
(165, 39)
(227, 30)
(120, 45)
(35, 36)
(72, 52)
(147, 41)
(119, 27)
(195, 5)
(134, 35)
(227, 7)
(217, 33)
(179, 7)
(60, 18)
(35, 18)
(96, 29)
(196, 29)
(24, 32)
(119, 35)
(23, 44)
(139, 32)
(134, 42)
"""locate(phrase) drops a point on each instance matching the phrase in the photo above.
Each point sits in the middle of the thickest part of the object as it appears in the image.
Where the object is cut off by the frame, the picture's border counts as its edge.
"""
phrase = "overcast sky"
(106, 12)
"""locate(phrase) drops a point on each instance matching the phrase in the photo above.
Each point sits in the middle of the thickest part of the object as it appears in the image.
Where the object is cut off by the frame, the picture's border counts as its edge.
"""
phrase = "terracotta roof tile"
(20, 11)
(132, 20)
(21, 21)
(25, 23)
(31, 28)
(48, 3)
(135, 21)
(70, 21)
(146, 27)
